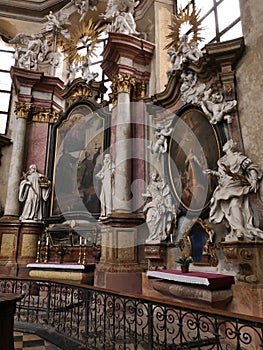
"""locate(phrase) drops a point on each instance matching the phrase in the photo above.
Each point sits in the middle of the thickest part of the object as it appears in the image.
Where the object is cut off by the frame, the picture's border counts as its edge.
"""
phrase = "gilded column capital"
(22, 109)
(123, 83)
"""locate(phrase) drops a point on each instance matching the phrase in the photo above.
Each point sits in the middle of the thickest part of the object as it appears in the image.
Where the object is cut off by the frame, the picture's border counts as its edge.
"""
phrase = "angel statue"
(161, 134)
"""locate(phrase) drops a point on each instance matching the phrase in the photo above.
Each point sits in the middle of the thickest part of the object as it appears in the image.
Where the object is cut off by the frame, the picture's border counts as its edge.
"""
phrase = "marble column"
(122, 191)
(17, 159)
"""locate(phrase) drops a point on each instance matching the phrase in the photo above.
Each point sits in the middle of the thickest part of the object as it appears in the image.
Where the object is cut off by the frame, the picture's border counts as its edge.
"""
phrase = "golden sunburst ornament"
(190, 16)
(83, 41)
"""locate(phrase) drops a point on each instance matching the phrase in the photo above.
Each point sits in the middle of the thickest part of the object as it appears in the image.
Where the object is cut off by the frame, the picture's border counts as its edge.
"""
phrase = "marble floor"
(26, 341)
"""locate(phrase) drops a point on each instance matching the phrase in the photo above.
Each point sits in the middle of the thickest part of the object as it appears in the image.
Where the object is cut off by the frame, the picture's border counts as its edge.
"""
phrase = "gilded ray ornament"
(190, 16)
(83, 41)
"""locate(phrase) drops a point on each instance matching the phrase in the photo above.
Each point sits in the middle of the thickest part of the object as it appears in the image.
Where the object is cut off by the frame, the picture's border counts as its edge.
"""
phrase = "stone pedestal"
(118, 268)
(248, 256)
(18, 245)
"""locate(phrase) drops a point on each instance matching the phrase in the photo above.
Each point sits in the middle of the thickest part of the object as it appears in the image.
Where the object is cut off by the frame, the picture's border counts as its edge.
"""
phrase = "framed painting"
(80, 139)
(194, 146)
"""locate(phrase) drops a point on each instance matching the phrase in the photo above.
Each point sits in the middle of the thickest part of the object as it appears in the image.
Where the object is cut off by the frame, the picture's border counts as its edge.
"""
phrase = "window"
(7, 60)
(96, 61)
(220, 18)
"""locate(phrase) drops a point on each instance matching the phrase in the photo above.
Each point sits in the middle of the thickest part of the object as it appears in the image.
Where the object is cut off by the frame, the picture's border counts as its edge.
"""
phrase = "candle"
(80, 240)
(85, 242)
(38, 242)
(47, 240)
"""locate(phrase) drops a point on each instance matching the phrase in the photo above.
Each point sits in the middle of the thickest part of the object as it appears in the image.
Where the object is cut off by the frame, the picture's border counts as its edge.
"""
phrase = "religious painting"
(193, 147)
(78, 153)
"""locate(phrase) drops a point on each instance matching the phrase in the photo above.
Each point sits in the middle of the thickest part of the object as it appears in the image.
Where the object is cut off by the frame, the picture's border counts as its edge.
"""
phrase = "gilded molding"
(22, 109)
(45, 115)
(80, 90)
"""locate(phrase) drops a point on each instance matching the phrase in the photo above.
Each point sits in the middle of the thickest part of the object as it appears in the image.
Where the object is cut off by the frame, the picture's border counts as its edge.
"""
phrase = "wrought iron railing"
(98, 319)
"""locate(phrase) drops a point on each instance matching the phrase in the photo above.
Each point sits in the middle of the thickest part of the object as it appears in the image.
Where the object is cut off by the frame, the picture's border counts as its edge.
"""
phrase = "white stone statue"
(72, 70)
(34, 189)
(106, 175)
(57, 23)
(161, 134)
(30, 50)
(237, 178)
(159, 210)
(86, 73)
(175, 59)
(190, 91)
(216, 108)
(186, 51)
(122, 14)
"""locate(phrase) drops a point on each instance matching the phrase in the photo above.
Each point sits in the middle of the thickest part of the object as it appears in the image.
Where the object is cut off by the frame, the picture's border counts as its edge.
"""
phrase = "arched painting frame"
(195, 145)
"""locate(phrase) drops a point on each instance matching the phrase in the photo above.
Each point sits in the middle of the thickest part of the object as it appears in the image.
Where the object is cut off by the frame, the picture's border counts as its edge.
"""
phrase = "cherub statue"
(237, 177)
(216, 108)
(161, 134)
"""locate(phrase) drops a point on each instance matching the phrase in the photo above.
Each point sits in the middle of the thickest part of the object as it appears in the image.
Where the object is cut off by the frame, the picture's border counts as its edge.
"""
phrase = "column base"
(119, 267)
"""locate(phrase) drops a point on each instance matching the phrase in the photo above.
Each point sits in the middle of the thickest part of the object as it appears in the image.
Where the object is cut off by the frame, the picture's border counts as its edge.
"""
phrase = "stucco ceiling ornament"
(184, 38)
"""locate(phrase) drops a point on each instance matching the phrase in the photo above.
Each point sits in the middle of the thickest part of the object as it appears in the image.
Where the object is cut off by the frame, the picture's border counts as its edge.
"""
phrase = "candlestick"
(38, 251)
